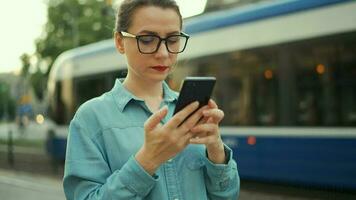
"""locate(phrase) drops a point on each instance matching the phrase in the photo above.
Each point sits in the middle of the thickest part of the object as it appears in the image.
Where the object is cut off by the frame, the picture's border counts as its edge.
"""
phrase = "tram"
(286, 80)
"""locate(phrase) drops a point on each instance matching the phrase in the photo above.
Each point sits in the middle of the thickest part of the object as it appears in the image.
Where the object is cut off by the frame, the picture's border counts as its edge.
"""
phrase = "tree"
(7, 104)
(38, 82)
(73, 23)
(25, 59)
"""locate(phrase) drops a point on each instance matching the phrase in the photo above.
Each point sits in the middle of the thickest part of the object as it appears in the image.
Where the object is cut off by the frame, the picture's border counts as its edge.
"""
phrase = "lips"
(160, 68)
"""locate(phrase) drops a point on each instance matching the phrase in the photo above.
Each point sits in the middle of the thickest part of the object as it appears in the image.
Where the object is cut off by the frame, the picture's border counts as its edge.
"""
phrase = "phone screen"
(195, 89)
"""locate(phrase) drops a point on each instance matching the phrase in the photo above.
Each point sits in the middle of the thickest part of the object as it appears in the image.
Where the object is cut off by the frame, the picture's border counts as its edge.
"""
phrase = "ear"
(119, 43)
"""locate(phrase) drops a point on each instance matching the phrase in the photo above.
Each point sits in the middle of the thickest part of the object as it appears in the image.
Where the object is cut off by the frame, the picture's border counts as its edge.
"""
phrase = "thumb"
(155, 118)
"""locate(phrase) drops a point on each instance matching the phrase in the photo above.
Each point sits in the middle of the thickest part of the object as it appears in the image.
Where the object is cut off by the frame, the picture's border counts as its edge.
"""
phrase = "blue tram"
(286, 79)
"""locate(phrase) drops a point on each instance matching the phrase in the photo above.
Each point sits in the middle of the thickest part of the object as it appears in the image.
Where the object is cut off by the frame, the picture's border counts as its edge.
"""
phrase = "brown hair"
(128, 7)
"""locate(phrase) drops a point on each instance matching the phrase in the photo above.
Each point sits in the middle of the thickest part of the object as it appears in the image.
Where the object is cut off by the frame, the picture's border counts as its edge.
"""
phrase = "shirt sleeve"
(88, 176)
(222, 180)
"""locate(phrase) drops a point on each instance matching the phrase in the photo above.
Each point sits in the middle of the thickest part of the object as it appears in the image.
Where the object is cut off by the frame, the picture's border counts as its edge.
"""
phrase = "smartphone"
(195, 89)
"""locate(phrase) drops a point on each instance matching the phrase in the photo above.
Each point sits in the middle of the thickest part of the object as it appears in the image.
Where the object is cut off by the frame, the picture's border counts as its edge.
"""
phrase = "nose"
(162, 50)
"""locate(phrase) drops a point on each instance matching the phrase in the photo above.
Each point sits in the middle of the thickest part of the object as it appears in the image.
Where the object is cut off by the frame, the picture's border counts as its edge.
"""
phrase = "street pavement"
(15, 185)
(32, 131)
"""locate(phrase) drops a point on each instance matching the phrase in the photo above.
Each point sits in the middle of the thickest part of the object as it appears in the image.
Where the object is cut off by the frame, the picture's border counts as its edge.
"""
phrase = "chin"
(159, 77)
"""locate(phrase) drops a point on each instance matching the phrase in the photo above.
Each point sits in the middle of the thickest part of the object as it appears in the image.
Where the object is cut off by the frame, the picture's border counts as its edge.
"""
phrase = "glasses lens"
(176, 43)
(148, 43)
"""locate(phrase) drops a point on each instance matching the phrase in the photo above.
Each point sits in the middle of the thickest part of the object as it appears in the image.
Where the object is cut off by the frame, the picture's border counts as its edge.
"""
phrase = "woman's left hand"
(208, 133)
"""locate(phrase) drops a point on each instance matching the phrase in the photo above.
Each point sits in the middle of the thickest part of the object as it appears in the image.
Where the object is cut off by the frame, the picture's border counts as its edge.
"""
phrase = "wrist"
(148, 164)
(216, 153)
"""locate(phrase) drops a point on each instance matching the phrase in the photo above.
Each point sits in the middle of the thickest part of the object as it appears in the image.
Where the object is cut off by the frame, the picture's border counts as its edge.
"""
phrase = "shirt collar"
(168, 94)
(122, 96)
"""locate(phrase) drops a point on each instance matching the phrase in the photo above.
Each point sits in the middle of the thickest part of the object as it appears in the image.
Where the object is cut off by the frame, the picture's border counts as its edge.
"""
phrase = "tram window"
(57, 109)
(245, 87)
(87, 88)
(346, 84)
(304, 83)
(92, 86)
(266, 100)
(309, 97)
(326, 77)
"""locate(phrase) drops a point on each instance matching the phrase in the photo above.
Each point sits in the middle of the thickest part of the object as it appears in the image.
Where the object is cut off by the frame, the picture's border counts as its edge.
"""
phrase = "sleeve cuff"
(220, 170)
(136, 178)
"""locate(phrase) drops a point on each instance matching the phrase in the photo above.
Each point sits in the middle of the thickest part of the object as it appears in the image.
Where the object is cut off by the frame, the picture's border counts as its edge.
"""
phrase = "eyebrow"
(155, 33)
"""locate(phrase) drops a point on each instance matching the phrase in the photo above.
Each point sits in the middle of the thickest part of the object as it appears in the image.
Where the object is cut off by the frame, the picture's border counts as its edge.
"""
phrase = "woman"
(126, 144)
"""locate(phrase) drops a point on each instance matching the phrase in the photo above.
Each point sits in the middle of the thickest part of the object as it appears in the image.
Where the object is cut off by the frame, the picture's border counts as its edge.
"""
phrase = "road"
(19, 185)
(16, 185)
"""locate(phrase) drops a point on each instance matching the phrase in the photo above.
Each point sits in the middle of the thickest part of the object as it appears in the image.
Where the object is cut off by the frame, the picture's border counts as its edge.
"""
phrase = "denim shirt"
(106, 133)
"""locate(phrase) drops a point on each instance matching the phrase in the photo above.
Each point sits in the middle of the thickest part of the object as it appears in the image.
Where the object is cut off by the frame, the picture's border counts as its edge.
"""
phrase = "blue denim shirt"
(105, 134)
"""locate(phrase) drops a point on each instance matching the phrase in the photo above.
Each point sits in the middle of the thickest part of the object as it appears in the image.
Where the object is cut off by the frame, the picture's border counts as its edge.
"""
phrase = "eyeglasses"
(149, 44)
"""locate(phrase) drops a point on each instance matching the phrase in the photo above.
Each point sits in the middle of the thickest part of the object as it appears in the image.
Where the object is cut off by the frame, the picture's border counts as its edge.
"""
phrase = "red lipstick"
(160, 68)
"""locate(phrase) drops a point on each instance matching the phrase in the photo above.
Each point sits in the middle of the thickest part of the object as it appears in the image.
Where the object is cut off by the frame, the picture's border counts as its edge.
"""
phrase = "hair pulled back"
(128, 7)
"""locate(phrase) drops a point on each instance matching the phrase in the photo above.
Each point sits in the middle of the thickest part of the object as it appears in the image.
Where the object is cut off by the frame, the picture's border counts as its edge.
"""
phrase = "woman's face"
(150, 20)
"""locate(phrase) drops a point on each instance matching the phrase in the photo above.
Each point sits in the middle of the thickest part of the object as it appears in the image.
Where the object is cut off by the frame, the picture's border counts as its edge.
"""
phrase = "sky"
(22, 22)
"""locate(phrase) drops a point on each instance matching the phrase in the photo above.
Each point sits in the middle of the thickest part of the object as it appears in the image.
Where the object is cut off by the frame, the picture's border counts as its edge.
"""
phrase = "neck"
(144, 89)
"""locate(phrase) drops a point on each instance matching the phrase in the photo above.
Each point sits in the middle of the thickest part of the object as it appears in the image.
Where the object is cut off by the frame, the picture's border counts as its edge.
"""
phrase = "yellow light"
(320, 69)
(268, 74)
(39, 119)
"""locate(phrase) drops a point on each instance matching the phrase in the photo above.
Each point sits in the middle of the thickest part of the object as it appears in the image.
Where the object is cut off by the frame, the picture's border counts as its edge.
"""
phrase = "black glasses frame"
(137, 37)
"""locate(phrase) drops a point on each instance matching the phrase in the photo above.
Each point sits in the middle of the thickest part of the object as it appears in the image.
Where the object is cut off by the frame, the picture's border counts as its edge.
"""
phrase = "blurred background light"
(189, 9)
(320, 69)
(39, 119)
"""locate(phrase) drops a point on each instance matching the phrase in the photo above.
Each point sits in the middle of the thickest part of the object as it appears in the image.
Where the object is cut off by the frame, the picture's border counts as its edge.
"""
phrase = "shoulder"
(94, 109)
(97, 103)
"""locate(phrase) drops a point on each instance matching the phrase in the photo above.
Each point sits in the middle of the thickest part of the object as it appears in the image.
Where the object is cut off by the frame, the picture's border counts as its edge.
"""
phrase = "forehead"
(156, 19)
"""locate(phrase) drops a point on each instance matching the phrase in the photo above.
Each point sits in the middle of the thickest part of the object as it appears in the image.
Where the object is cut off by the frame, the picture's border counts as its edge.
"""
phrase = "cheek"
(173, 58)
(136, 61)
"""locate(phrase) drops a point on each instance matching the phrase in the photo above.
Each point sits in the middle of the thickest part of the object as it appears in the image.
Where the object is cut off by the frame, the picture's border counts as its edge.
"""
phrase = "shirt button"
(170, 160)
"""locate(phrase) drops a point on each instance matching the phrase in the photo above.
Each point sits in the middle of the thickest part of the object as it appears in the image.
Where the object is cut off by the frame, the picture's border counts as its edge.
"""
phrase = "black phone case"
(195, 89)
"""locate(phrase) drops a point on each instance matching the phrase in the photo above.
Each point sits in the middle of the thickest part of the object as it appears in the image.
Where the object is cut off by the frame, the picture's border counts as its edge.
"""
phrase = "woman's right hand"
(163, 142)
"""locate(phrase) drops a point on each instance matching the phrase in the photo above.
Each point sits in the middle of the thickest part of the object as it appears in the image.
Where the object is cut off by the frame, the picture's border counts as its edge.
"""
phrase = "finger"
(155, 119)
(216, 114)
(212, 104)
(203, 120)
(202, 140)
(212, 128)
(199, 134)
(185, 138)
(210, 120)
(178, 118)
(192, 120)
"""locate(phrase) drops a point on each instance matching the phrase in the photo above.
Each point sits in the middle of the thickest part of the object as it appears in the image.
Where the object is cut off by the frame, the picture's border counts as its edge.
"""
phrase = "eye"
(147, 39)
(173, 39)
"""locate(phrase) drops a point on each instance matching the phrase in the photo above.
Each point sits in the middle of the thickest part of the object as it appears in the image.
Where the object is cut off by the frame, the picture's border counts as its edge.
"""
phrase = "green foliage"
(73, 23)
(7, 104)
(38, 81)
(25, 59)
(70, 23)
